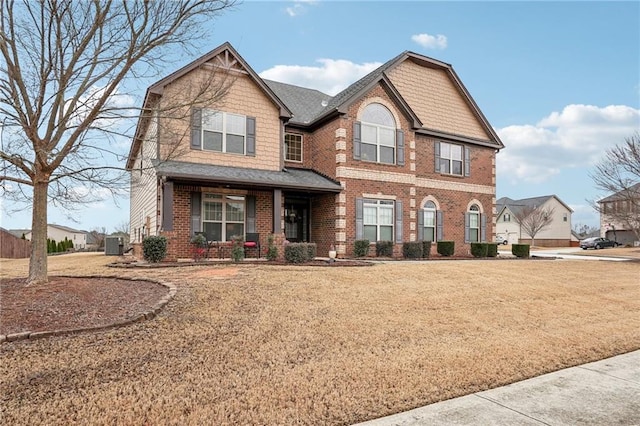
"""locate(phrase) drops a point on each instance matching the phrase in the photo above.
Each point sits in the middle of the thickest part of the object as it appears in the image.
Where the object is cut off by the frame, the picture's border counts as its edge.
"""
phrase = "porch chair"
(252, 240)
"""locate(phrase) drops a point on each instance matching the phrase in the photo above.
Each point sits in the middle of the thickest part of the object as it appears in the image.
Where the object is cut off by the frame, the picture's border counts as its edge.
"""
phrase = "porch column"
(277, 211)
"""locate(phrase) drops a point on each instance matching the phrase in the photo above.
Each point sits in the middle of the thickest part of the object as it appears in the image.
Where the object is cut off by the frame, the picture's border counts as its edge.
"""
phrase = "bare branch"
(533, 219)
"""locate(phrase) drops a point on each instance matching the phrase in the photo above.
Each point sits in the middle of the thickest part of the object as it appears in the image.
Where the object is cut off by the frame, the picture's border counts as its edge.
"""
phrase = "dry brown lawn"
(294, 345)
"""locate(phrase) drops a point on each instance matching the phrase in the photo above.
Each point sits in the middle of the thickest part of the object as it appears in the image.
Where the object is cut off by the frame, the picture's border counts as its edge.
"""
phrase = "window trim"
(379, 204)
(474, 210)
(200, 128)
(465, 160)
(224, 199)
(377, 144)
(431, 207)
(286, 147)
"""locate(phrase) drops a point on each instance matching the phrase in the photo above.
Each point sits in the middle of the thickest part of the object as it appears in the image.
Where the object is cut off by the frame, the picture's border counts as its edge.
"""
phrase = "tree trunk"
(38, 261)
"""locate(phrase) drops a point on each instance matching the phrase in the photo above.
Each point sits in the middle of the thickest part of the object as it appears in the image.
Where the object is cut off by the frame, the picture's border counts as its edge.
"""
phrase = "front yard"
(294, 345)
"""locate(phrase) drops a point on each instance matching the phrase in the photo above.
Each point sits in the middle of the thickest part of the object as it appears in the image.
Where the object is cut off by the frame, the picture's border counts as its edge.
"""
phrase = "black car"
(597, 243)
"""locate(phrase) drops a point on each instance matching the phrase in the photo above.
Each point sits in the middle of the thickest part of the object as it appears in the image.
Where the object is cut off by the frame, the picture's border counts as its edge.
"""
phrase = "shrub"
(360, 248)
(446, 248)
(412, 250)
(520, 250)
(492, 250)
(299, 252)
(154, 248)
(199, 243)
(479, 249)
(384, 248)
(426, 249)
(237, 251)
(272, 250)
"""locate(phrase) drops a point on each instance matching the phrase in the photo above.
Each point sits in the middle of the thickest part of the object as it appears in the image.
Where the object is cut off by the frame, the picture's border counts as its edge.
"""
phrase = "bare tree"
(583, 230)
(618, 174)
(64, 100)
(533, 219)
(122, 228)
(98, 236)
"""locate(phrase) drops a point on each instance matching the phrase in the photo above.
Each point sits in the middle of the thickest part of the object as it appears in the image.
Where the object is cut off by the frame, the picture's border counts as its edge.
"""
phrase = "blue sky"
(559, 81)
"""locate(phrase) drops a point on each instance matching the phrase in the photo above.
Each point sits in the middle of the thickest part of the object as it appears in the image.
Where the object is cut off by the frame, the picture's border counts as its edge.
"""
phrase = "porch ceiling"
(298, 179)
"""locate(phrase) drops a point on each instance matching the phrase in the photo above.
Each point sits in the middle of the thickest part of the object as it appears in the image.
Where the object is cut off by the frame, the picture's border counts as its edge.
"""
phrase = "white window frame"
(430, 207)
(506, 217)
(225, 199)
(447, 162)
(474, 211)
(378, 127)
(380, 206)
(224, 131)
(286, 144)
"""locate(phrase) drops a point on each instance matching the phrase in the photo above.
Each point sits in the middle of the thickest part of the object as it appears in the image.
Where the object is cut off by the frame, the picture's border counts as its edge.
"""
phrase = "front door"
(296, 219)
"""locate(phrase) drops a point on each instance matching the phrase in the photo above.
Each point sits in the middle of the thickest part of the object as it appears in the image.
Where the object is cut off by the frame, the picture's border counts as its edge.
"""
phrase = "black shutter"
(400, 147)
(277, 211)
(439, 225)
(196, 128)
(196, 207)
(420, 225)
(167, 206)
(251, 213)
(357, 140)
(467, 161)
(251, 136)
(483, 228)
(359, 218)
(398, 221)
(437, 156)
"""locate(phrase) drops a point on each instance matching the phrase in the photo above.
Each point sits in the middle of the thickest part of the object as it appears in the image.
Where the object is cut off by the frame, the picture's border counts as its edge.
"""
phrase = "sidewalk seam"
(511, 409)
(608, 375)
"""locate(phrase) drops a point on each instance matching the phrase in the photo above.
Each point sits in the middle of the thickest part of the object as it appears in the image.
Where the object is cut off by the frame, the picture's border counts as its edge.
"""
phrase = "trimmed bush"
(299, 252)
(446, 248)
(520, 250)
(426, 249)
(272, 250)
(492, 250)
(384, 248)
(154, 248)
(360, 248)
(412, 250)
(479, 249)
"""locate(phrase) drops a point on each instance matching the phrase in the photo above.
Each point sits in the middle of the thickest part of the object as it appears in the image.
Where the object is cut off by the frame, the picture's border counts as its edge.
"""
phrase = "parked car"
(597, 243)
(501, 240)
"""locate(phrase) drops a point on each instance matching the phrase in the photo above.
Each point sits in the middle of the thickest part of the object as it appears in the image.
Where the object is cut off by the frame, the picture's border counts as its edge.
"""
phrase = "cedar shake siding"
(403, 154)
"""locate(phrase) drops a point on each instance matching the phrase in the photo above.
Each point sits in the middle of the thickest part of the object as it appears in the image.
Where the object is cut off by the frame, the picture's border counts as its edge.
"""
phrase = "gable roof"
(156, 90)
(516, 206)
(624, 194)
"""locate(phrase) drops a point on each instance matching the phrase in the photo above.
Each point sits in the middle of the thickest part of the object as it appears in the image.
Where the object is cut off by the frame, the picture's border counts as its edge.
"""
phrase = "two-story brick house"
(403, 154)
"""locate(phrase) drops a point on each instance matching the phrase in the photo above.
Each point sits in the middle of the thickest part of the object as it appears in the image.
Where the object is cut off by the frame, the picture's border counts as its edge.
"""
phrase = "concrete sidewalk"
(605, 392)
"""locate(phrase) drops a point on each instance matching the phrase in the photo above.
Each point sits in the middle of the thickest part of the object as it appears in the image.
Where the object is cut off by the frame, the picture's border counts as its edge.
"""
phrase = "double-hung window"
(378, 134)
(452, 159)
(223, 216)
(378, 220)
(223, 131)
(474, 224)
(293, 147)
(429, 221)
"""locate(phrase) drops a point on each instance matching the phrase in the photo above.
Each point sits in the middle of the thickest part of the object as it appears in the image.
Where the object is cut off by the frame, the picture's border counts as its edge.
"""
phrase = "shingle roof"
(517, 205)
(305, 104)
(291, 178)
(624, 194)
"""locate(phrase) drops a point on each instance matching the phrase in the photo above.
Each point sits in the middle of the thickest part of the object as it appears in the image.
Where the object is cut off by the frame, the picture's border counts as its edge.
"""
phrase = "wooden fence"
(12, 247)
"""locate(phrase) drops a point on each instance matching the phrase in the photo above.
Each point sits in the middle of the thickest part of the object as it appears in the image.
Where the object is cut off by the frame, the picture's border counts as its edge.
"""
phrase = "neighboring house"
(403, 154)
(557, 234)
(59, 233)
(620, 214)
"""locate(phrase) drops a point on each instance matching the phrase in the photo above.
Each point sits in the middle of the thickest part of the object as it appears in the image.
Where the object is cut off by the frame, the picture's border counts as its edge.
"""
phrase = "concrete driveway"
(570, 253)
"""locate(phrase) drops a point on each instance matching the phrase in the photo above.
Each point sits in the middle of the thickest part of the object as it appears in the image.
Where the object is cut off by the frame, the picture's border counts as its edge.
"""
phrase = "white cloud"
(332, 76)
(430, 42)
(578, 136)
(298, 7)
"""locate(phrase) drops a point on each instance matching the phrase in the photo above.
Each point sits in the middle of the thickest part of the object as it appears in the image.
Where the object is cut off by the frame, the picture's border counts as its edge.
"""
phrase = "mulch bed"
(67, 303)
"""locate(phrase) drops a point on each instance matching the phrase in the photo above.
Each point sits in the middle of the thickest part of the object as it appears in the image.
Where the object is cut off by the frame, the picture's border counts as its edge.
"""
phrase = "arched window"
(429, 221)
(378, 135)
(473, 224)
